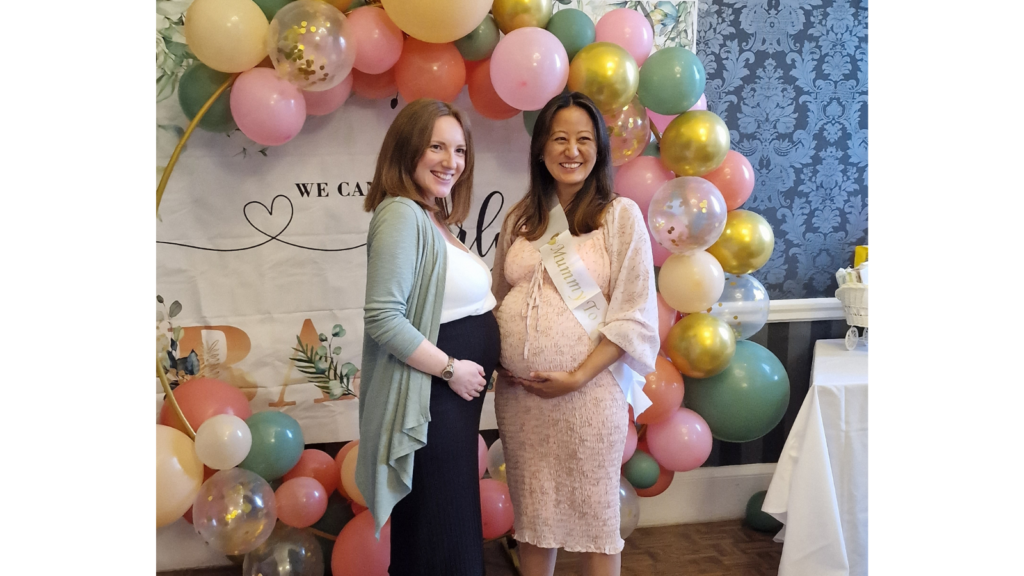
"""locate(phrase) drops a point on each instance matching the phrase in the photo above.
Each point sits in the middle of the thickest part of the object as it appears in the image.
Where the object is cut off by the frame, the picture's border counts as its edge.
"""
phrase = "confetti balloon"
(496, 461)
(743, 305)
(288, 552)
(629, 508)
(235, 511)
(311, 45)
(687, 214)
(628, 131)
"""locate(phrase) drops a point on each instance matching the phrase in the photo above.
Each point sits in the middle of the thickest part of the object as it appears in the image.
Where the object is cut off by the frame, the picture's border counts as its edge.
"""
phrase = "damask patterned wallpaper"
(790, 79)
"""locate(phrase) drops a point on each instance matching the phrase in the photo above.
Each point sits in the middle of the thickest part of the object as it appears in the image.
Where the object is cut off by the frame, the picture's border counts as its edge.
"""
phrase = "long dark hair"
(404, 144)
(530, 215)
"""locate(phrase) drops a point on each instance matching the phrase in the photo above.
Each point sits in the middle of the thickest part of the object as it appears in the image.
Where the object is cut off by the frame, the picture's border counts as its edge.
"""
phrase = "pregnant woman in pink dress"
(561, 413)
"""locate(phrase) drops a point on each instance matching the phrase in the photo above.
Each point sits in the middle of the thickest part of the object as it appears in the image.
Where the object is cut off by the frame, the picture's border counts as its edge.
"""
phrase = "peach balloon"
(374, 86)
(203, 398)
(301, 502)
(691, 282)
(664, 387)
(734, 178)
(318, 465)
(348, 476)
(326, 101)
(485, 100)
(378, 39)
(357, 551)
(430, 71)
(339, 459)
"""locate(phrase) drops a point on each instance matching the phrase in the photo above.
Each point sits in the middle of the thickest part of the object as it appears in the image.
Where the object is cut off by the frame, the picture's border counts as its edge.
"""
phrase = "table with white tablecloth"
(820, 487)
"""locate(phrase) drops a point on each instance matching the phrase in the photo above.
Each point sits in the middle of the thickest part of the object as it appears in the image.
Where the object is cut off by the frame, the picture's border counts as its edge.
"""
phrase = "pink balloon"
(629, 29)
(378, 40)
(358, 552)
(734, 178)
(495, 508)
(657, 250)
(267, 108)
(631, 440)
(300, 502)
(680, 442)
(482, 455)
(661, 121)
(667, 318)
(529, 66)
(640, 178)
(327, 101)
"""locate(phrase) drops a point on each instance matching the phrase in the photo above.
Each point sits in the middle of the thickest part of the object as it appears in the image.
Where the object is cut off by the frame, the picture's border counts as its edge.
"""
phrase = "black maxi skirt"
(437, 529)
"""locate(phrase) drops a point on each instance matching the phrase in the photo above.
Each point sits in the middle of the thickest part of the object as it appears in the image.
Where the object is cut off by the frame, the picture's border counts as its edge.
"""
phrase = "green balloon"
(641, 470)
(270, 7)
(196, 86)
(529, 119)
(338, 513)
(653, 148)
(757, 518)
(478, 44)
(671, 81)
(573, 28)
(744, 401)
(277, 444)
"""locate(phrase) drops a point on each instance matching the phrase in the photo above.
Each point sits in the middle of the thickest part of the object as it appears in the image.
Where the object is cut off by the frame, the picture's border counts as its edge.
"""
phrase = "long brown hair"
(584, 212)
(404, 144)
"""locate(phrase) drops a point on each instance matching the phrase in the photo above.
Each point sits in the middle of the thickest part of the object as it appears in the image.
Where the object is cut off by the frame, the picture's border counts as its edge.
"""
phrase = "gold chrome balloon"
(745, 244)
(512, 14)
(693, 144)
(700, 345)
(607, 74)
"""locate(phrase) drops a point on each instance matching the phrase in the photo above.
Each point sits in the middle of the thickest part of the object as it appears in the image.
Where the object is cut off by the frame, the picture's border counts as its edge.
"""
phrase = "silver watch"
(449, 370)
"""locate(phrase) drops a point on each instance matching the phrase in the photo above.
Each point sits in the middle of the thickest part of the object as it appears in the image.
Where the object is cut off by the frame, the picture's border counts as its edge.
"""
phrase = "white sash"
(583, 296)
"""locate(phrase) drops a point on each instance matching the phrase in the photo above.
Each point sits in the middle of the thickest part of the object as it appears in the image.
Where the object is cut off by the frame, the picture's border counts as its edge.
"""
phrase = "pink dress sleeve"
(632, 320)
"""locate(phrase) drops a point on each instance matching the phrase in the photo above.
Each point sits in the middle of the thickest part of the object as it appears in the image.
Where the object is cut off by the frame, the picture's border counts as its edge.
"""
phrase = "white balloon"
(223, 441)
(496, 461)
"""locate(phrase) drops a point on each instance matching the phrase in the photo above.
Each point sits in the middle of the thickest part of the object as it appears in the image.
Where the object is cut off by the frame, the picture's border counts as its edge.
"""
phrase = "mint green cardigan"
(405, 276)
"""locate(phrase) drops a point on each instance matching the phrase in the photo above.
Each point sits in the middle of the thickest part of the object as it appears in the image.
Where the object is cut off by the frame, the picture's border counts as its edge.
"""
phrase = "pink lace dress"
(563, 455)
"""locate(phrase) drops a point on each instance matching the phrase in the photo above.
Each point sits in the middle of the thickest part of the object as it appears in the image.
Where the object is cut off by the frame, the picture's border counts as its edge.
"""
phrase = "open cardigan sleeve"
(500, 285)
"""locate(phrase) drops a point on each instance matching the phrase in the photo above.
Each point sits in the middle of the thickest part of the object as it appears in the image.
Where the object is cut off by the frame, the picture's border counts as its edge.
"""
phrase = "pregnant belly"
(556, 340)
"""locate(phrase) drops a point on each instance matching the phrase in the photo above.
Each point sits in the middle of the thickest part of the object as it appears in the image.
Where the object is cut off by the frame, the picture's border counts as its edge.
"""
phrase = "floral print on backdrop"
(790, 79)
(674, 23)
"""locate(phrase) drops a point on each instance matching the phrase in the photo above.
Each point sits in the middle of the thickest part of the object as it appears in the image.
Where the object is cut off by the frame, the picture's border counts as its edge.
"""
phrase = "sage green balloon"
(277, 444)
(270, 7)
(653, 148)
(641, 470)
(671, 81)
(744, 401)
(478, 44)
(196, 86)
(573, 28)
(529, 119)
(758, 519)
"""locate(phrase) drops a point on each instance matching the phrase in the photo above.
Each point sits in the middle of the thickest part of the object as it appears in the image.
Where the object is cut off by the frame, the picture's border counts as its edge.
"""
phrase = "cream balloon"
(226, 35)
(223, 441)
(437, 21)
(179, 474)
(691, 282)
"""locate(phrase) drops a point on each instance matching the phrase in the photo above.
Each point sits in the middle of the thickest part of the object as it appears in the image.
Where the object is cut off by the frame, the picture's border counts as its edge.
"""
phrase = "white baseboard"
(706, 495)
(178, 547)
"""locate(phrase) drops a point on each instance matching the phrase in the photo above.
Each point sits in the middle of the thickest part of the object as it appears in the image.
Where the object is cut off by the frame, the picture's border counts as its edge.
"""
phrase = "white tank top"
(467, 286)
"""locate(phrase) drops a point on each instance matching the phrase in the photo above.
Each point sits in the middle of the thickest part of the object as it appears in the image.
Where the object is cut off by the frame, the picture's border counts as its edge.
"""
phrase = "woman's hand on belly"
(552, 384)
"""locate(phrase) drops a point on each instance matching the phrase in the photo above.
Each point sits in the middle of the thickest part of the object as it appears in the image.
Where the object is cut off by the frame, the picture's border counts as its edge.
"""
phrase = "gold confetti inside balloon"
(513, 14)
(310, 44)
(695, 143)
(226, 35)
(745, 244)
(234, 511)
(607, 74)
(628, 131)
(700, 345)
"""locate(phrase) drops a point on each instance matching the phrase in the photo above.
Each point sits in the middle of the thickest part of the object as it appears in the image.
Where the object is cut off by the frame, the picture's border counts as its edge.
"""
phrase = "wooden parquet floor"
(713, 549)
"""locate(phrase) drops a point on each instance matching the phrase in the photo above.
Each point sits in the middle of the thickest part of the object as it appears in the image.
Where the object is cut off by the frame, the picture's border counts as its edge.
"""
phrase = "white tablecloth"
(820, 486)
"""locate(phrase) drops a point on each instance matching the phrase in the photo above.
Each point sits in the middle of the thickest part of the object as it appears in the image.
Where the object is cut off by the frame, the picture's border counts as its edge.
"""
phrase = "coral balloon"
(481, 454)
(437, 21)
(318, 465)
(743, 305)
(378, 41)
(277, 444)
(226, 35)
(746, 244)
(686, 215)
(223, 441)
(179, 474)
(374, 86)
(628, 132)
(734, 179)
(629, 508)
(357, 551)
(235, 511)
(288, 552)
(301, 502)
(203, 398)
(430, 71)
(691, 282)
(348, 477)
(483, 96)
(700, 345)
(495, 508)
(695, 143)
(326, 101)
(606, 73)
(339, 459)
(747, 399)
(512, 15)
(672, 81)
(629, 29)
(681, 442)
(311, 45)
(631, 440)
(267, 109)
(664, 387)
(665, 477)
(529, 66)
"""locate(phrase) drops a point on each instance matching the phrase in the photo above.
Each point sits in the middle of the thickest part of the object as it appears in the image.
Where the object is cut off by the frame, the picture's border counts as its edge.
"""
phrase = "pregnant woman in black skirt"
(430, 346)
